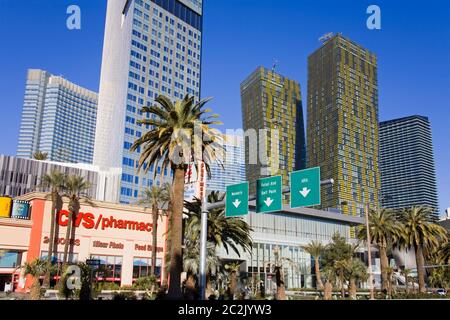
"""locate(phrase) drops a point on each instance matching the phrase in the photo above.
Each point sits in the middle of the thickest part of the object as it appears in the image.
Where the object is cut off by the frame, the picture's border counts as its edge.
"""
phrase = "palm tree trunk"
(406, 284)
(233, 283)
(328, 289)
(420, 263)
(176, 259)
(165, 279)
(384, 263)
(208, 290)
(352, 289)
(68, 231)
(319, 283)
(51, 240)
(155, 237)
(190, 287)
(281, 291)
(341, 280)
(35, 290)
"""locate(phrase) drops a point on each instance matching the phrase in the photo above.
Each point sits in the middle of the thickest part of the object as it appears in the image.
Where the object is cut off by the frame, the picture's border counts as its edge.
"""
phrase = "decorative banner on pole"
(237, 200)
(305, 188)
(269, 194)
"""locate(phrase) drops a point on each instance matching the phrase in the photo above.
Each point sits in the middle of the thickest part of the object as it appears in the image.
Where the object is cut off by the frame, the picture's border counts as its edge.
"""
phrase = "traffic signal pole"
(204, 229)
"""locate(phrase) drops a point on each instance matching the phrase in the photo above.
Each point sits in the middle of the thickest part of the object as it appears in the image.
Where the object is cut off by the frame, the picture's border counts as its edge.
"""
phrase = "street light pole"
(369, 253)
(203, 248)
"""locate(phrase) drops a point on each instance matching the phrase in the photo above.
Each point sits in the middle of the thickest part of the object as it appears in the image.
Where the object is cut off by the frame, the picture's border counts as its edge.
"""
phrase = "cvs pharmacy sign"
(90, 221)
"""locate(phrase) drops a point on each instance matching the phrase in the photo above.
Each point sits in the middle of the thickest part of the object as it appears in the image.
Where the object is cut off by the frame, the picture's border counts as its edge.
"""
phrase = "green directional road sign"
(237, 200)
(269, 194)
(305, 188)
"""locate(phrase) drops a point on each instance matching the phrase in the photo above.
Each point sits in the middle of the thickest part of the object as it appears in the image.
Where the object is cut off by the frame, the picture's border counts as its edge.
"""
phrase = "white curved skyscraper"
(151, 47)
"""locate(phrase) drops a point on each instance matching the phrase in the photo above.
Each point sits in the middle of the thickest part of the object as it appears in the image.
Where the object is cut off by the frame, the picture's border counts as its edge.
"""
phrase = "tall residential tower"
(408, 176)
(151, 47)
(343, 123)
(58, 118)
(272, 102)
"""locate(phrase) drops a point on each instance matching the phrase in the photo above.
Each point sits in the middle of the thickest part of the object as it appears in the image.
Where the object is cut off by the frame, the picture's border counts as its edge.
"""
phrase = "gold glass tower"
(272, 102)
(342, 123)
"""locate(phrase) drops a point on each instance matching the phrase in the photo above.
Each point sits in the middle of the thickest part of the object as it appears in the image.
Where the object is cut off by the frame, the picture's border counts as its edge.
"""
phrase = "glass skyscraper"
(342, 123)
(273, 102)
(58, 118)
(151, 47)
(408, 176)
(233, 170)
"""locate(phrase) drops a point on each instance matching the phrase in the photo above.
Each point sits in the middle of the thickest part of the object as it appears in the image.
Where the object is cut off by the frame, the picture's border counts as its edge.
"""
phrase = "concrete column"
(127, 264)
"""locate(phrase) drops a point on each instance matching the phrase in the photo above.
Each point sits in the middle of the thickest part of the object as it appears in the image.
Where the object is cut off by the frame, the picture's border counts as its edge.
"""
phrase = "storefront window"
(110, 268)
(10, 259)
(72, 257)
(142, 267)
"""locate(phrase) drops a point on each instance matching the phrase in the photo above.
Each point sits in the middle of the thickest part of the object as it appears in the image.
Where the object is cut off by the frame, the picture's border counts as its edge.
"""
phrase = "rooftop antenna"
(326, 37)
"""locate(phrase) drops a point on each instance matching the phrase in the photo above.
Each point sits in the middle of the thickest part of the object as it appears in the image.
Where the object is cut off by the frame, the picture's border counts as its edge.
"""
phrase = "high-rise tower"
(408, 176)
(272, 102)
(151, 47)
(58, 118)
(343, 123)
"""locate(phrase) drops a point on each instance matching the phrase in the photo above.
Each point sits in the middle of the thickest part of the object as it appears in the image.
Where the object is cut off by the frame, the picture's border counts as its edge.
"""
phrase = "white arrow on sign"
(236, 203)
(305, 192)
(268, 202)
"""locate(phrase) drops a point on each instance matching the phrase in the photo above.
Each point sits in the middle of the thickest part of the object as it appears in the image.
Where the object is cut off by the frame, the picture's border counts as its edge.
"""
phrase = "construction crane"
(275, 64)
(326, 37)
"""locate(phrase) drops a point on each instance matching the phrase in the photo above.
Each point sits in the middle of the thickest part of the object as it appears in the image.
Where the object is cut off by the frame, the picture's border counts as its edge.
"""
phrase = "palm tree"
(385, 230)
(191, 263)
(421, 232)
(229, 232)
(169, 143)
(35, 269)
(406, 272)
(336, 256)
(155, 197)
(390, 272)
(355, 271)
(233, 268)
(315, 248)
(278, 266)
(340, 266)
(330, 278)
(40, 156)
(55, 181)
(75, 187)
(444, 253)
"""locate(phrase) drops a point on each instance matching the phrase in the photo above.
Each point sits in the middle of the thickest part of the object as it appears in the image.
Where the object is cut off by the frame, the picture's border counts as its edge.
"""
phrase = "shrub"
(146, 283)
(107, 286)
(126, 295)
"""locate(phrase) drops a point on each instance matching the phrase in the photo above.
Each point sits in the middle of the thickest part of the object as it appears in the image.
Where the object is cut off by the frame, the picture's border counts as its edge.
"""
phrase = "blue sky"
(413, 49)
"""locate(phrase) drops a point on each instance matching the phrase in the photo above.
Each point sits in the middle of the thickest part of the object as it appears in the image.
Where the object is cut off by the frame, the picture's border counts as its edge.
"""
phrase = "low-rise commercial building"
(287, 231)
(19, 176)
(120, 236)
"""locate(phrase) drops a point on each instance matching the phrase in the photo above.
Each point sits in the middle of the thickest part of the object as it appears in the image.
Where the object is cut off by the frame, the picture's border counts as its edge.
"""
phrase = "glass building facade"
(342, 123)
(151, 48)
(286, 232)
(58, 118)
(233, 170)
(273, 102)
(408, 176)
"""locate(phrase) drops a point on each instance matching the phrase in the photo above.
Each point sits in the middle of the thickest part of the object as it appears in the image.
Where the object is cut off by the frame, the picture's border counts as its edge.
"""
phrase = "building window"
(10, 259)
(142, 267)
(72, 257)
(110, 268)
